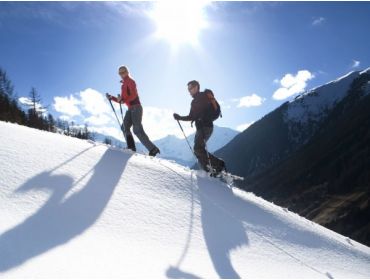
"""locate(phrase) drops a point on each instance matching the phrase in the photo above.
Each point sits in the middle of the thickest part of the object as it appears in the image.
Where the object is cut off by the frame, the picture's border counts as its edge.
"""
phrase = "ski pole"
(187, 141)
(114, 111)
(120, 106)
(123, 121)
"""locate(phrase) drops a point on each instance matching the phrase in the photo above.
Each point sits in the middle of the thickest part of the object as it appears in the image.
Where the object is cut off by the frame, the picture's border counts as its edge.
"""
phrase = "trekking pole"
(120, 106)
(187, 141)
(123, 121)
(114, 111)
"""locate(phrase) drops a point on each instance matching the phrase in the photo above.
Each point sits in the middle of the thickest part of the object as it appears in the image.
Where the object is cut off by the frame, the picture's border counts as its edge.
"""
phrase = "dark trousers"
(133, 117)
(205, 158)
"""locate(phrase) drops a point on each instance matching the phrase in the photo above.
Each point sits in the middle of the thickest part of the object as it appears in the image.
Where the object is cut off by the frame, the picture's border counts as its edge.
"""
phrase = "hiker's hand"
(108, 96)
(176, 116)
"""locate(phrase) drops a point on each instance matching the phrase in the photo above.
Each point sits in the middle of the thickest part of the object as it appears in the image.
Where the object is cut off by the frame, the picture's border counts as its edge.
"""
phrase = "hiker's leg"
(137, 115)
(127, 124)
(217, 164)
(200, 148)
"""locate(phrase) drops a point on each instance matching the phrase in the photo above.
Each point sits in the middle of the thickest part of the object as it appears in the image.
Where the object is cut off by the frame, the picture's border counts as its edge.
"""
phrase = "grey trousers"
(133, 117)
(202, 135)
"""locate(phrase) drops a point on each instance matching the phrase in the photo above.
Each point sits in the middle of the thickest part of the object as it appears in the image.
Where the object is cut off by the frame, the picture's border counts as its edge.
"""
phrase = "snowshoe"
(153, 152)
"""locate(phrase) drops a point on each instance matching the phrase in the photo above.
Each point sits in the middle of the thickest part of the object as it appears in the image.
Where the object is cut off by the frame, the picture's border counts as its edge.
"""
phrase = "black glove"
(108, 96)
(176, 116)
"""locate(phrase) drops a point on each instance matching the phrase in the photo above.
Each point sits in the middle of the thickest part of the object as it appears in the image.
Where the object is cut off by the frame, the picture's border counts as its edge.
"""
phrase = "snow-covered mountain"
(73, 208)
(100, 137)
(178, 150)
(312, 155)
(305, 113)
(286, 129)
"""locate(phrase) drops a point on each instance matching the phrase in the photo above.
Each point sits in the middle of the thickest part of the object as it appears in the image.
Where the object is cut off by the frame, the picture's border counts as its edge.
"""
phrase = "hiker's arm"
(192, 114)
(181, 118)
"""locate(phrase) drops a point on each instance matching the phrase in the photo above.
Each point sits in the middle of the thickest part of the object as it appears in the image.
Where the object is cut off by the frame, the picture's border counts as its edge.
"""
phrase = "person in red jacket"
(134, 114)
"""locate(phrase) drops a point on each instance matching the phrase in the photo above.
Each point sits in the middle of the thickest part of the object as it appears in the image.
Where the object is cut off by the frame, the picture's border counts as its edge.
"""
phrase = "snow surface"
(72, 208)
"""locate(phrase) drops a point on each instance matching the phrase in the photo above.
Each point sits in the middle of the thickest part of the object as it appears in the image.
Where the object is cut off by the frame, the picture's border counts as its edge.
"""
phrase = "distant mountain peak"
(315, 103)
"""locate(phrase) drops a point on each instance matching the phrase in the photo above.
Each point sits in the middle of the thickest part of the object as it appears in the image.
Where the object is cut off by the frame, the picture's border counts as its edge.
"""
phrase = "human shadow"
(176, 273)
(222, 233)
(226, 216)
(61, 219)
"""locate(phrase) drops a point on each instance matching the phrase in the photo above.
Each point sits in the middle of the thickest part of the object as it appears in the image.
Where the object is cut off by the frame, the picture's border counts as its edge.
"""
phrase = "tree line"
(35, 115)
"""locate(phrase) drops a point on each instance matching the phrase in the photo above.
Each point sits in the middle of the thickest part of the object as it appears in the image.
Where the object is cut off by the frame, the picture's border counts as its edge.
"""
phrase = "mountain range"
(312, 155)
(176, 149)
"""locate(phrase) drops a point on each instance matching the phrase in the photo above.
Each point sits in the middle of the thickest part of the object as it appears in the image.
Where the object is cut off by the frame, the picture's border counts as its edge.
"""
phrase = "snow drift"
(74, 208)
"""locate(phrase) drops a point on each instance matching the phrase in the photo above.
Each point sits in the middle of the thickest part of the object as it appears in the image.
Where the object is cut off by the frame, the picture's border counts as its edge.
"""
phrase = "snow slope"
(74, 208)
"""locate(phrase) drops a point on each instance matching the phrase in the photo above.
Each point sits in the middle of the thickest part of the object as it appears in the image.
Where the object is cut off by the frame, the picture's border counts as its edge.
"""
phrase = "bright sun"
(179, 22)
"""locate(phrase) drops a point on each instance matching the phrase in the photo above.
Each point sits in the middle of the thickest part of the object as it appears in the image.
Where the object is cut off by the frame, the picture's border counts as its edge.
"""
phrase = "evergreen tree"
(51, 123)
(107, 141)
(9, 108)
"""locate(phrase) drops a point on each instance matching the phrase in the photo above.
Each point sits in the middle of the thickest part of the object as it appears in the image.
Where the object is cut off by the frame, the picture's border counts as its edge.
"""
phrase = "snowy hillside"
(304, 113)
(73, 208)
(285, 130)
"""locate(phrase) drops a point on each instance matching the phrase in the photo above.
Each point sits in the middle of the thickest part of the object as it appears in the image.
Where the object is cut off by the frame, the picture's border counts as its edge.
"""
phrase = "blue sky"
(253, 55)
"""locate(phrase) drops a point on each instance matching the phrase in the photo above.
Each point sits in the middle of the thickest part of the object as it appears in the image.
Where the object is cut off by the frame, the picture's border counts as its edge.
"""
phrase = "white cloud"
(250, 101)
(98, 120)
(92, 108)
(318, 21)
(65, 118)
(291, 85)
(355, 63)
(89, 104)
(159, 122)
(28, 102)
(94, 102)
(129, 8)
(67, 105)
(244, 126)
(224, 105)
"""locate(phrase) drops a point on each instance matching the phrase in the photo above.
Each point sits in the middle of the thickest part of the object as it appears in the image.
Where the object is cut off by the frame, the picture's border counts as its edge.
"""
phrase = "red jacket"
(129, 94)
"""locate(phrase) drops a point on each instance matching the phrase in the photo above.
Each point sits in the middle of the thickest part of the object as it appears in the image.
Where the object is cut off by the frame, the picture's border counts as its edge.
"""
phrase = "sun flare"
(179, 22)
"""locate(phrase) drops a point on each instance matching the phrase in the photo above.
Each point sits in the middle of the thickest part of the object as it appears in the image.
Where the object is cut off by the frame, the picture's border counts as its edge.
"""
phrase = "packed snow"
(73, 208)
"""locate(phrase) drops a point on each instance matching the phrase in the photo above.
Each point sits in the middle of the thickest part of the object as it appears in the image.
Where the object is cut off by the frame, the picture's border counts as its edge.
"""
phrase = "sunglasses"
(190, 88)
